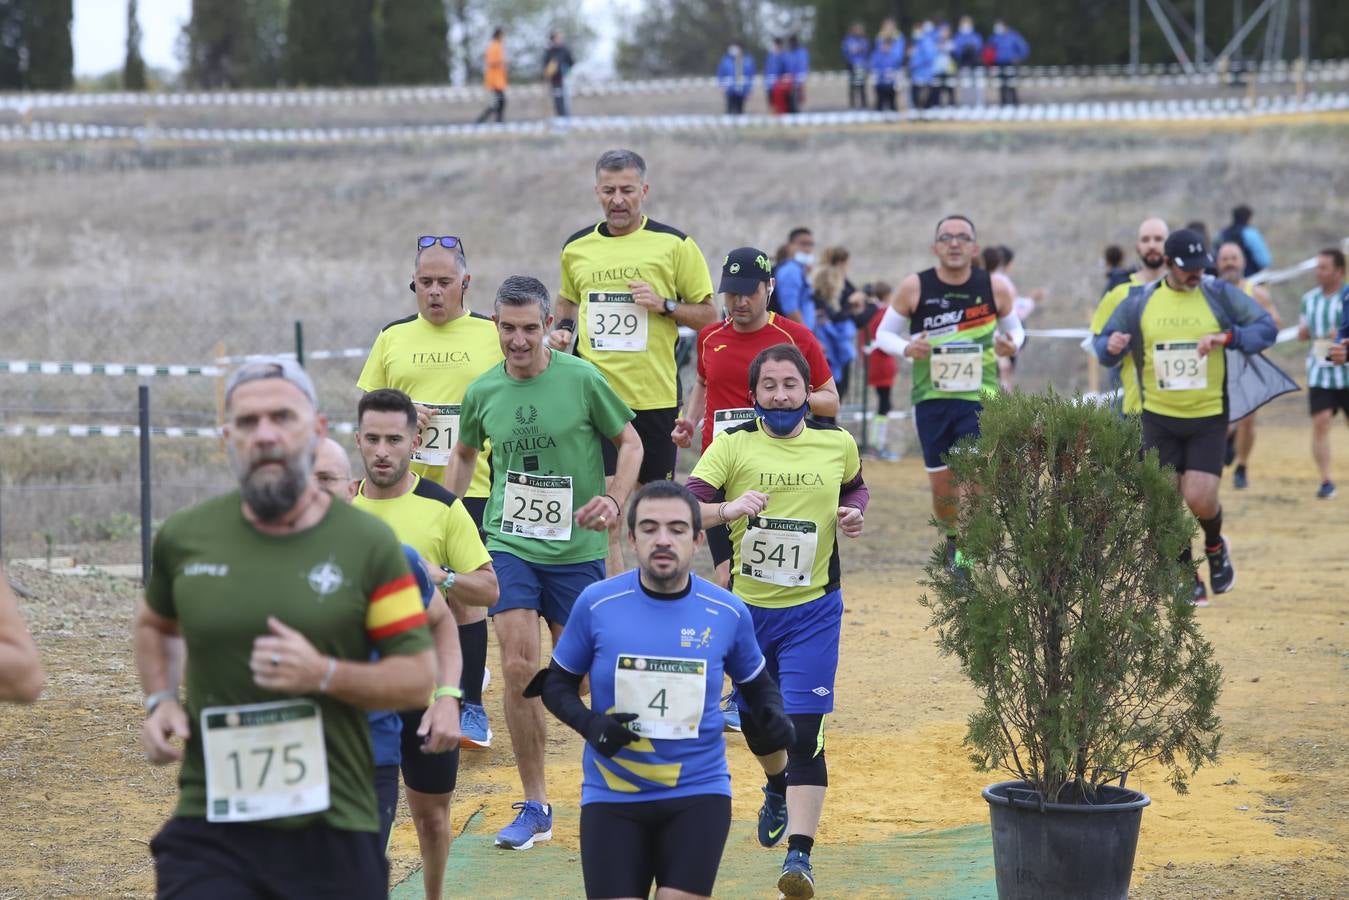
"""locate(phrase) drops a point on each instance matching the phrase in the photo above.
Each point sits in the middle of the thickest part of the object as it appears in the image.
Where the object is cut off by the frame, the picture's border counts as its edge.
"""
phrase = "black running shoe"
(1221, 573)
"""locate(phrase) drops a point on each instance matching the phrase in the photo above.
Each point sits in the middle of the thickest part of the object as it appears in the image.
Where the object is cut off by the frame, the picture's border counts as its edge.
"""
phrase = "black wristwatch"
(670, 307)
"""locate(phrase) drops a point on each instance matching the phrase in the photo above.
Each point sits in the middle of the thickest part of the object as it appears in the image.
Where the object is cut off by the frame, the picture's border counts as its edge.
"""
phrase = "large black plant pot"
(1063, 851)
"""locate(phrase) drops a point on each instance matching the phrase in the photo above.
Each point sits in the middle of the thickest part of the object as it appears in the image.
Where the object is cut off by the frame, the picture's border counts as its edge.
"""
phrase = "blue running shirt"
(662, 659)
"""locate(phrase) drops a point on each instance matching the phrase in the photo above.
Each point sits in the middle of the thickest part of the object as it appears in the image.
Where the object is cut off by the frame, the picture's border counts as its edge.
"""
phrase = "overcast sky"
(100, 32)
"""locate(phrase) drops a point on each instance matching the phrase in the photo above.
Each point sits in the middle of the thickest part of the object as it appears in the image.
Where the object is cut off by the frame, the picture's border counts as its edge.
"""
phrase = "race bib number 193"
(264, 761)
(1179, 367)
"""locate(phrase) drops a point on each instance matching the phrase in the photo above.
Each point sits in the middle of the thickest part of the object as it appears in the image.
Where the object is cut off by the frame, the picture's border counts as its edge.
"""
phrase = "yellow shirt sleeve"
(463, 551)
(714, 466)
(852, 461)
(568, 290)
(693, 281)
(1109, 303)
(374, 374)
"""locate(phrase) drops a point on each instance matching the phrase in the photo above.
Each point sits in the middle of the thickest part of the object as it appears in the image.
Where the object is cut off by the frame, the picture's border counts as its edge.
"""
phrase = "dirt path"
(1272, 820)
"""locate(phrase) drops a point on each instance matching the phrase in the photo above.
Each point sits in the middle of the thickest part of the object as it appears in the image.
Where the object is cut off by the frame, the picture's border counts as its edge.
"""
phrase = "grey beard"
(271, 498)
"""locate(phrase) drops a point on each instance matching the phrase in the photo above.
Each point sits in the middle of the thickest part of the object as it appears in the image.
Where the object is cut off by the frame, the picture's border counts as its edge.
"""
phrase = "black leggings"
(883, 399)
(677, 843)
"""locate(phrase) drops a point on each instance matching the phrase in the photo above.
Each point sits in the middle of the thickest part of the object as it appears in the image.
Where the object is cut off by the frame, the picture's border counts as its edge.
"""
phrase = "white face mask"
(805, 259)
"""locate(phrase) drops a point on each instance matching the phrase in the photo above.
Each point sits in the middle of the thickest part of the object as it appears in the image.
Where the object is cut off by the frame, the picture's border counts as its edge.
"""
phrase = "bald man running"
(1152, 234)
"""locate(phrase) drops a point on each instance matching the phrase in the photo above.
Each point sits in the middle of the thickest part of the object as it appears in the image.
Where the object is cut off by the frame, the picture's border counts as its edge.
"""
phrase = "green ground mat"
(951, 864)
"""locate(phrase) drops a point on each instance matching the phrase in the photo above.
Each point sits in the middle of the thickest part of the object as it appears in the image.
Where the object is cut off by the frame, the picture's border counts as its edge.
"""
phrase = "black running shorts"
(1187, 445)
(677, 843)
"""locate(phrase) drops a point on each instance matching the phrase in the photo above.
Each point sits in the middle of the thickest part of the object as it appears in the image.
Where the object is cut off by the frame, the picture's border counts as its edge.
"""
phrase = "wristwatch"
(670, 307)
(449, 579)
(158, 697)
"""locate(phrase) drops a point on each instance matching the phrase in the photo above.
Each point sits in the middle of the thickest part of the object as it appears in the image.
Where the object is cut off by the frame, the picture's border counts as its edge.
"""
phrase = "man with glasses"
(628, 283)
(959, 318)
(432, 356)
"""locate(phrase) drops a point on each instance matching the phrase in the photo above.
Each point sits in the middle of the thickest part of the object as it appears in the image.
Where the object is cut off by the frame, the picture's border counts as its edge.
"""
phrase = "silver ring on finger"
(276, 660)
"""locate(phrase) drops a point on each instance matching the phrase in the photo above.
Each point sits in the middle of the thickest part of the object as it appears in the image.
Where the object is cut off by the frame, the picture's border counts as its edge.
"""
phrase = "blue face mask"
(782, 421)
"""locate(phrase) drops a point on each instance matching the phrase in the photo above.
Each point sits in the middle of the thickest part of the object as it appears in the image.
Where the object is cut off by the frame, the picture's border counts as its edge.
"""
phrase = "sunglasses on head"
(448, 241)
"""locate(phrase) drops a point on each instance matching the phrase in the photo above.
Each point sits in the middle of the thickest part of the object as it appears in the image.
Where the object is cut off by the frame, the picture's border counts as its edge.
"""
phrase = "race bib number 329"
(264, 761)
(614, 321)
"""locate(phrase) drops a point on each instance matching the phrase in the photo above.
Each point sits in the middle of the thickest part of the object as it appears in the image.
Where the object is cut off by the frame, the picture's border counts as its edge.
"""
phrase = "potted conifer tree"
(1073, 620)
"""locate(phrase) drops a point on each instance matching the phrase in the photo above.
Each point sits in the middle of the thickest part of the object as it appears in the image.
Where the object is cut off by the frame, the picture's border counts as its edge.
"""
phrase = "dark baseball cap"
(743, 270)
(1186, 249)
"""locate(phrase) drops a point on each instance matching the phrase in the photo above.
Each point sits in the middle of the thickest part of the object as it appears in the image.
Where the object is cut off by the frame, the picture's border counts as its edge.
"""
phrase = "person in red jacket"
(882, 369)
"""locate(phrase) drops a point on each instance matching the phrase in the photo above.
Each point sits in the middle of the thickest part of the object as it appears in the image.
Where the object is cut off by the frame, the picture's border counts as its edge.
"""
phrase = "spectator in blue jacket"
(1009, 51)
(792, 295)
(1249, 238)
(798, 63)
(886, 61)
(967, 45)
(735, 74)
(923, 54)
(857, 56)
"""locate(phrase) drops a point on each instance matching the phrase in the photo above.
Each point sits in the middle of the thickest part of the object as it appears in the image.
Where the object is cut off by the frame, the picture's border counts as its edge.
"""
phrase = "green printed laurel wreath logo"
(762, 262)
(523, 419)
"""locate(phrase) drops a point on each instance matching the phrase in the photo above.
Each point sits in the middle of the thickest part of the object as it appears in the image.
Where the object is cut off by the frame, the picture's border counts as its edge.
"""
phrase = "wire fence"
(1155, 75)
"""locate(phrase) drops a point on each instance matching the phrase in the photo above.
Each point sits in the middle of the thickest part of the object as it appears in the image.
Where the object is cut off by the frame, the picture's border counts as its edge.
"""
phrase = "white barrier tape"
(24, 367)
(347, 353)
(84, 431)
(1319, 71)
(1077, 333)
(1188, 110)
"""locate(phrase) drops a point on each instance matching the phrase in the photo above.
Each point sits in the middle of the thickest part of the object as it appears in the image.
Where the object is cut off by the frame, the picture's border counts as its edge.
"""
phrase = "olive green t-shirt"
(546, 461)
(343, 583)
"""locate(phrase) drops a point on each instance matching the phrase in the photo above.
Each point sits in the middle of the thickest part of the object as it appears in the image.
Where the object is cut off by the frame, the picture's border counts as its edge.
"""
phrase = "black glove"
(776, 729)
(609, 734)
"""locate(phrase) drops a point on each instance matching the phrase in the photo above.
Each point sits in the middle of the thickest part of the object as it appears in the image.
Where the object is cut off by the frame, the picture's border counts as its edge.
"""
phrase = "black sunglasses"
(448, 241)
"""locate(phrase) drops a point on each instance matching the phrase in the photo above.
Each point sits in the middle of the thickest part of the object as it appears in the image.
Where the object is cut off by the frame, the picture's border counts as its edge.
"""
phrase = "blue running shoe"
(797, 881)
(772, 818)
(474, 731)
(533, 823)
(730, 714)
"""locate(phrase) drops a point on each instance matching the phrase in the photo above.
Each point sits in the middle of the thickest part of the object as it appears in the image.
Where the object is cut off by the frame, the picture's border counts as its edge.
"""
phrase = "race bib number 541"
(264, 761)
(779, 551)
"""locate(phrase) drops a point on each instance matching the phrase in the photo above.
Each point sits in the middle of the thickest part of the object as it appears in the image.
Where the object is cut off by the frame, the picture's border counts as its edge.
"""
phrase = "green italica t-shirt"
(546, 463)
(343, 583)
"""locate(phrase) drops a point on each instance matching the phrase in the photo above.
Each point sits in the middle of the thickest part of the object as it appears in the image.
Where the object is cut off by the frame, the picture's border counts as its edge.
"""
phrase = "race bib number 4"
(724, 419)
(779, 551)
(667, 695)
(537, 506)
(438, 435)
(264, 761)
(1179, 367)
(957, 368)
(614, 321)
